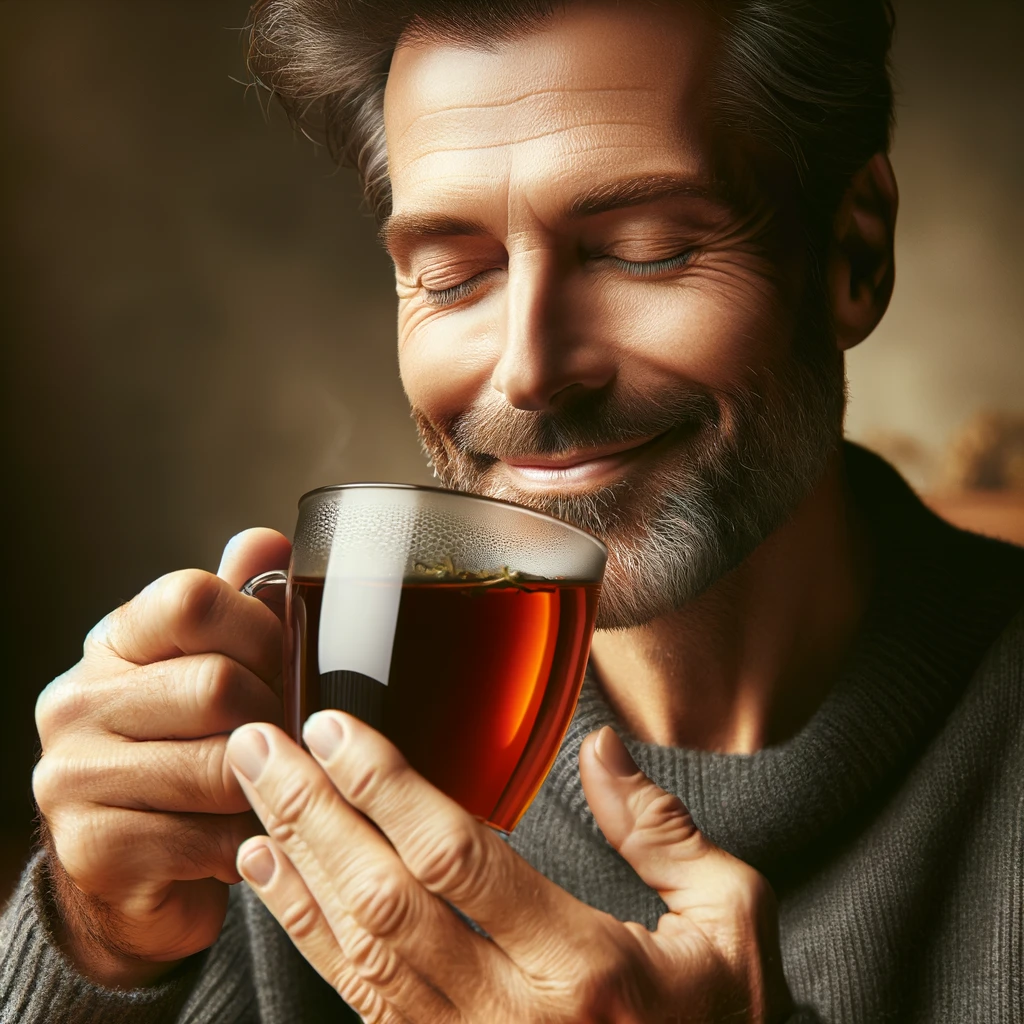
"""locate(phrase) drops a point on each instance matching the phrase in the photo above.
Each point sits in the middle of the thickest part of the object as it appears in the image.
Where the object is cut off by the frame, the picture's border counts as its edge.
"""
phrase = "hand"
(362, 854)
(142, 815)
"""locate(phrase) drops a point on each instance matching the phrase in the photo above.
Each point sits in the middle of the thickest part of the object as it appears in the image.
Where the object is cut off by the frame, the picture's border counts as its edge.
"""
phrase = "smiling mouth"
(583, 468)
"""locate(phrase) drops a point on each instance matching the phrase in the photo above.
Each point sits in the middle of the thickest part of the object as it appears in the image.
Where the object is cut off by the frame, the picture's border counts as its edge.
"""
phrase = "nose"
(549, 346)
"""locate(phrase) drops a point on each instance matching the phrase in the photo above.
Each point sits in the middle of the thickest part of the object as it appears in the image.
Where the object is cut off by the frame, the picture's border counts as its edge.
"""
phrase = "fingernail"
(258, 865)
(612, 753)
(249, 751)
(323, 735)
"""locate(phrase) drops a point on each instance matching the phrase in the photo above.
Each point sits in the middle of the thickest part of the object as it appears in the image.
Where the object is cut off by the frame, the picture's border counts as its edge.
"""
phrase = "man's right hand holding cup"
(141, 814)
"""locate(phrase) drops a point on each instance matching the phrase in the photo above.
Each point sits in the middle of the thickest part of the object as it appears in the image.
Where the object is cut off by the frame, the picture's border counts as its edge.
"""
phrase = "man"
(631, 242)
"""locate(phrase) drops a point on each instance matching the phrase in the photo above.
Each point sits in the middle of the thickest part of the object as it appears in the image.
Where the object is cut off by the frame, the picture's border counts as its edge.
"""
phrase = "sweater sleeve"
(39, 984)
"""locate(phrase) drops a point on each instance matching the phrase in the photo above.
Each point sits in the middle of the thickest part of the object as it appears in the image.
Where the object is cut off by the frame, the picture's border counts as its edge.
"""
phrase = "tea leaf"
(446, 571)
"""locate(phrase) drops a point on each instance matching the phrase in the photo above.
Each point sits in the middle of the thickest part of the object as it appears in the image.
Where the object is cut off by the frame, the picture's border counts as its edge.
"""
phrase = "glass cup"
(458, 626)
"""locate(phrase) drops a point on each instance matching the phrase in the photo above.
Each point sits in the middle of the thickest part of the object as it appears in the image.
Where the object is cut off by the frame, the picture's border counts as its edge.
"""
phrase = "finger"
(713, 898)
(184, 698)
(366, 974)
(251, 552)
(111, 851)
(187, 776)
(650, 828)
(446, 849)
(192, 612)
(352, 871)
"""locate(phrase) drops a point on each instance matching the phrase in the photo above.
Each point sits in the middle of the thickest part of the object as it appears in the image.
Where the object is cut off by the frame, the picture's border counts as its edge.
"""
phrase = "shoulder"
(998, 682)
(1006, 655)
(965, 589)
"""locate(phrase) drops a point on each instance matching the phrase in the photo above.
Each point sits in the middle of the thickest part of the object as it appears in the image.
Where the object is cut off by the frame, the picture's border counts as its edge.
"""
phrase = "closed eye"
(449, 296)
(651, 268)
(634, 268)
(457, 292)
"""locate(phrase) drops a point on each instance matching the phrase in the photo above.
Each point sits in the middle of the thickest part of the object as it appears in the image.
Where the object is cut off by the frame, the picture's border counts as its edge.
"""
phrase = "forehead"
(601, 91)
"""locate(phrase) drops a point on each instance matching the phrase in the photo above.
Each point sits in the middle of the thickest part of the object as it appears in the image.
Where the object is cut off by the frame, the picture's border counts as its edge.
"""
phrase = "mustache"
(493, 429)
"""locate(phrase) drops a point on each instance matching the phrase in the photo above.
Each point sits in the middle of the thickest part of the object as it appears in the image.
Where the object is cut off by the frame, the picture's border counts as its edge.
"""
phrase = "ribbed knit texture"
(891, 826)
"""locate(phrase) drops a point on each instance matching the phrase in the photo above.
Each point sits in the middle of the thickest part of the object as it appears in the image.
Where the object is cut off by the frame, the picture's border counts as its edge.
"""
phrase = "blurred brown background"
(198, 325)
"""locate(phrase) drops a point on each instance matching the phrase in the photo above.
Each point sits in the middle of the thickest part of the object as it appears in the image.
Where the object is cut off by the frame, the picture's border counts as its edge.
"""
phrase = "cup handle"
(270, 588)
(255, 585)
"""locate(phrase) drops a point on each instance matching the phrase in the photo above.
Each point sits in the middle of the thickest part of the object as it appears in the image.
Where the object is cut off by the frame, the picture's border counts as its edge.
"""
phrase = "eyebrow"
(603, 198)
(650, 188)
(399, 227)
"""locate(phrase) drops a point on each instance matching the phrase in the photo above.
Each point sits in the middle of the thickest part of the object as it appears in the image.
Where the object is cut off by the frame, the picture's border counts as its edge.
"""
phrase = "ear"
(861, 267)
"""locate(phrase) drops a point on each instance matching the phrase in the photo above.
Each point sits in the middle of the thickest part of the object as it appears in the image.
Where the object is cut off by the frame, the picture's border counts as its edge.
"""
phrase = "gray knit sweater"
(891, 826)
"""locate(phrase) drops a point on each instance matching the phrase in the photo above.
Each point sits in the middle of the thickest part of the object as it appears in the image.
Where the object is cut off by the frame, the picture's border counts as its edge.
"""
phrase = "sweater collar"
(940, 598)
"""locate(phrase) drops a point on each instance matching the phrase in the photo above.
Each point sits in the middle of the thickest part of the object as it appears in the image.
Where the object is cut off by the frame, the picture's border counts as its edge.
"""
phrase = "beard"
(731, 467)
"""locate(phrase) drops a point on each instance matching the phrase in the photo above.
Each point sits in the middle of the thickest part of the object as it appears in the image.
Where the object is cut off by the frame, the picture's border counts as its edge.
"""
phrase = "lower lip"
(581, 474)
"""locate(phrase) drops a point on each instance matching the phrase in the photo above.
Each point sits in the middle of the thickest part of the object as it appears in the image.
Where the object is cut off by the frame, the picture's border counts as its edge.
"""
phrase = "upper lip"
(576, 455)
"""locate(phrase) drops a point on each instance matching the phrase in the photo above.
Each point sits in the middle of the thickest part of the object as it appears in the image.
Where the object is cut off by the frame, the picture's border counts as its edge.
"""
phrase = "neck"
(746, 664)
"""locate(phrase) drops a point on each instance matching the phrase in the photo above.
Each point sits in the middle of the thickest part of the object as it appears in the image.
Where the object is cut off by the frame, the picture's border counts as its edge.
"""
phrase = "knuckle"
(448, 859)
(187, 597)
(381, 902)
(295, 801)
(76, 842)
(118, 630)
(301, 920)
(361, 996)
(365, 783)
(98, 640)
(665, 813)
(221, 789)
(63, 701)
(373, 959)
(49, 783)
(214, 685)
(379, 773)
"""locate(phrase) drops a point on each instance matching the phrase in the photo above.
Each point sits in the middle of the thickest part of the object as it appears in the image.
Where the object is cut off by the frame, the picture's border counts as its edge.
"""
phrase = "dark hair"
(807, 79)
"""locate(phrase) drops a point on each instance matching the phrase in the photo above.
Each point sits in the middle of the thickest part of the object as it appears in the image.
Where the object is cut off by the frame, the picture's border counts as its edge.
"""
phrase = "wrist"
(85, 930)
(102, 964)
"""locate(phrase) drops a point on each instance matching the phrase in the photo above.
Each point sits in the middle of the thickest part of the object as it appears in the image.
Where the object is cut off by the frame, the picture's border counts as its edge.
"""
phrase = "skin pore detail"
(590, 318)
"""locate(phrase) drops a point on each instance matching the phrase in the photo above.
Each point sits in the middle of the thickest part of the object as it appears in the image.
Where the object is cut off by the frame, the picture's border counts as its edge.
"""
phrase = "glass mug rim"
(461, 495)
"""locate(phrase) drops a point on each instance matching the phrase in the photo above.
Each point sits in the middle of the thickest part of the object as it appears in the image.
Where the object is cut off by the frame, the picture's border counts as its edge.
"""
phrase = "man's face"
(590, 322)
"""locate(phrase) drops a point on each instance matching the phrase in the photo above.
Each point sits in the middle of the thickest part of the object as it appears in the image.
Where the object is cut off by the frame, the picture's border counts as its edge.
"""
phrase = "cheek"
(445, 359)
(711, 326)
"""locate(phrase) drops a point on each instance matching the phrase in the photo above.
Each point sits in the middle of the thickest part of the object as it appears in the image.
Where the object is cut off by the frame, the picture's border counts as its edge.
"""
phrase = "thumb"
(729, 902)
(651, 829)
(251, 552)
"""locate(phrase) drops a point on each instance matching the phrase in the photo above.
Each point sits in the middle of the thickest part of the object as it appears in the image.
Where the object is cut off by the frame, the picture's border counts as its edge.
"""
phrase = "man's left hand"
(363, 857)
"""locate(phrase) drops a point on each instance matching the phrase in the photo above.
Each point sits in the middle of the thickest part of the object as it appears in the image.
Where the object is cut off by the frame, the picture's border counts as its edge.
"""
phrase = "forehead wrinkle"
(577, 140)
(529, 116)
(497, 104)
(526, 138)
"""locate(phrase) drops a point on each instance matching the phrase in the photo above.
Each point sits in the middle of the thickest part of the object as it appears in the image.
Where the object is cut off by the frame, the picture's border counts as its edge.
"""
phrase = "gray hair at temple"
(807, 81)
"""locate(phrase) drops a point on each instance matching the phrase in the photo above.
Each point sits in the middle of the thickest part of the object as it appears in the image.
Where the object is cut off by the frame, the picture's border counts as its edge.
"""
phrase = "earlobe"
(861, 267)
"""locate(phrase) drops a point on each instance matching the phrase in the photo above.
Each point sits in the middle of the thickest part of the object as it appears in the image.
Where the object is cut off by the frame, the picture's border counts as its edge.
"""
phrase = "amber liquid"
(484, 679)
